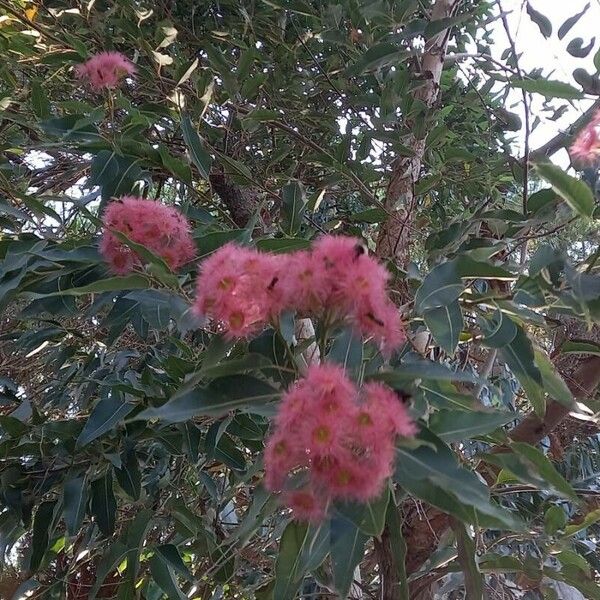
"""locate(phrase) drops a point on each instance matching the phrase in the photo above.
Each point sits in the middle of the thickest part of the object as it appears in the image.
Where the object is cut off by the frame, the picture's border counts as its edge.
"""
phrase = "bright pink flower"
(344, 445)
(105, 70)
(160, 228)
(238, 288)
(586, 147)
(385, 410)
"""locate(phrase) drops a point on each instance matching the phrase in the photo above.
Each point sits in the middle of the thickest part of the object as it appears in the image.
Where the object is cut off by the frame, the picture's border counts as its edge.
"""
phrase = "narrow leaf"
(199, 155)
(104, 505)
(574, 192)
(106, 414)
(75, 496)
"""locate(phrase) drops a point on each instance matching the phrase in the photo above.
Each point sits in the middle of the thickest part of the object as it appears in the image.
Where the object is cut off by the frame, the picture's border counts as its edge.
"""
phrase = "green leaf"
(112, 284)
(347, 550)
(571, 21)
(552, 382)
(225, 394)
(129, 476)
(542, 21)
(104, 505)
(548, 87)
(106, 414)
(589, 519)
(467, 559)
(545, 468)
(435, 476)
(413, 369)
(199, 155)
(171, 556)
(377, 57)
(500, 330)
(397, 545)
(445, 324)
(39, 101)
(163, 575)
(111, 559)
(282, 244)
(555, 519)
(441, 287)
(368, 517)
(41, 533)
(572, 347)
(347, 349)
(75, 497)
(519, 357)
(302, 549)
(457, 425)
(293, 203)
(574, 192)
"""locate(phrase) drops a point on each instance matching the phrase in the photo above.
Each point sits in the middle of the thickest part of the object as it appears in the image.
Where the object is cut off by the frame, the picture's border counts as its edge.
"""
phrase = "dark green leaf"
(457, 425)
(293, 203)
(129, 476)
(548, 88)
(39, 101)
(163, 574)
(222, 395)
(445, 324)
(41, 533)
(302, 549)
(519, 357)
(571, 21)
(545, 468)
(171, 555)
(104, 505)
(467, 558)
(580, 347)
(75, 496)
(441, 287)
(368, 517)
(347, 550)
(542, 21)
(199, 155)
(106, 414)
(347, 349)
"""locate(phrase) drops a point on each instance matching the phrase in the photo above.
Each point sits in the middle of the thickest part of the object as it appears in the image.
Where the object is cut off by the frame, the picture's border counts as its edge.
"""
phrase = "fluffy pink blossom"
(160, 228)
(243, 289)
(236, 287)
(340, 439)
(307, 506)
(586, 147)
(105, 70)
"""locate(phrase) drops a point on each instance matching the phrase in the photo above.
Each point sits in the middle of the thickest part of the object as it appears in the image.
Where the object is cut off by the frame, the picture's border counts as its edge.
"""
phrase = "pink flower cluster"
(338, 441)
(105, 70)
(161, 229)
(243, 289)
(586, 147)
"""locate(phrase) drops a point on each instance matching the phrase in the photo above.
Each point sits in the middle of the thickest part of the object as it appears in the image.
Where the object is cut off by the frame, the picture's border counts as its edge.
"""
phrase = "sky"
(550, 54)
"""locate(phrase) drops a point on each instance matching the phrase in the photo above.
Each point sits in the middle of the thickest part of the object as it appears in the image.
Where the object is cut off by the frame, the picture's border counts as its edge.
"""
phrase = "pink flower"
(343, 445)
(586, 147)
(105, 70)
(161, 229)
(237, 287)
(307, 506)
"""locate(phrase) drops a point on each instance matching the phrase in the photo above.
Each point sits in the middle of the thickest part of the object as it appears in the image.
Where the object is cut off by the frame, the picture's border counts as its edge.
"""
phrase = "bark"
(241, 202)
(394, 237)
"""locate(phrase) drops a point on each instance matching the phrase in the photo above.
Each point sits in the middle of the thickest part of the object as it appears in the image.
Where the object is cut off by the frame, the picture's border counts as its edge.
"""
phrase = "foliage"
(131, 432)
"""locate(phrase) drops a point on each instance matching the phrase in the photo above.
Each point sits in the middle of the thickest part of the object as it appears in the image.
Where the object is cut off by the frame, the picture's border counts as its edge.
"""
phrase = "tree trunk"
(395, 234)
